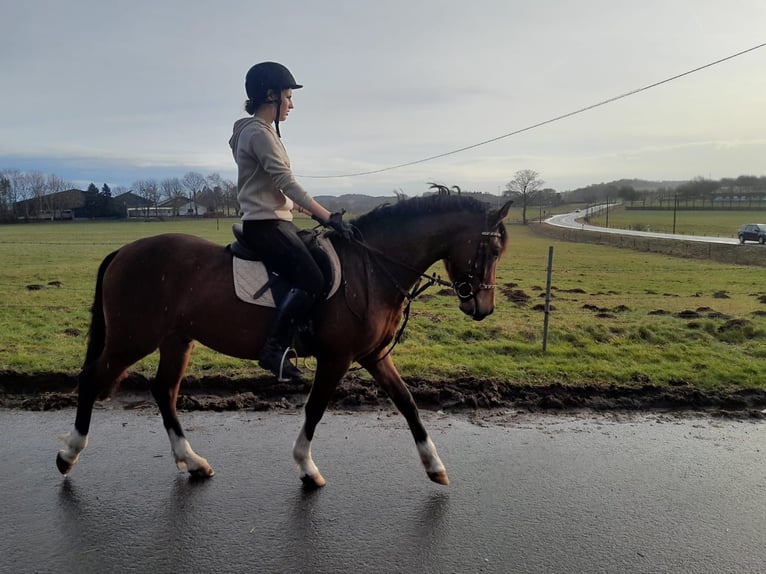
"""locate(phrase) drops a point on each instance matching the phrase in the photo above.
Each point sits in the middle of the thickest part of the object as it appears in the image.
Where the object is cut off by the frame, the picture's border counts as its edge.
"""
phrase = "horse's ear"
(500, 214)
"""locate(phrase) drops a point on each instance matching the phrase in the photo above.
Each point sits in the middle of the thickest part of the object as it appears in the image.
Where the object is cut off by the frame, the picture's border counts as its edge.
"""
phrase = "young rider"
(267, 194)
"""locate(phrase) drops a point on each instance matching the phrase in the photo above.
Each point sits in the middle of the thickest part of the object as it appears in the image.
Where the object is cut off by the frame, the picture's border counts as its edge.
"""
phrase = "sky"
(114, 92)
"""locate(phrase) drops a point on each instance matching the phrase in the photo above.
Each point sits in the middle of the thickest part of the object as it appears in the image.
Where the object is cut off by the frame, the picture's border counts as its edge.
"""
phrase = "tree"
(6, 205)
(149, 190)
(628, 193)
(22, 184)
(10, 178)
(38, 187)
(194, 182)
(215, 186)
(53, 185)
(172, 189)
(525, 185)
(230, 196)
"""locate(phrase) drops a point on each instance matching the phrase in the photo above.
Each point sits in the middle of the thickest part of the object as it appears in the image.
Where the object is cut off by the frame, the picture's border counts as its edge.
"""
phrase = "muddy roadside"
(48, 391)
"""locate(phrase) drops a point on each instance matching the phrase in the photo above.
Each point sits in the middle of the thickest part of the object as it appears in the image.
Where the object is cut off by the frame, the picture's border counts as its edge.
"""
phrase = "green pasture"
(687, 222)
(619, 317)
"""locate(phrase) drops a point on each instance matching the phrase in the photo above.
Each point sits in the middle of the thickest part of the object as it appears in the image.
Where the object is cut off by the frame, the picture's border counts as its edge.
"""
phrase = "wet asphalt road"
(650, 493)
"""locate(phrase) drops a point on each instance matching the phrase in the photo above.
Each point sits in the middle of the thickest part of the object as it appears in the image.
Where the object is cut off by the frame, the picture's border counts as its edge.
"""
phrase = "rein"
(416, 289)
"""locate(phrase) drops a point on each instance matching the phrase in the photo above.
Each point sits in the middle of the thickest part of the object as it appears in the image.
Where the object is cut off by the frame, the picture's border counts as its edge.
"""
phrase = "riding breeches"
(281, 249)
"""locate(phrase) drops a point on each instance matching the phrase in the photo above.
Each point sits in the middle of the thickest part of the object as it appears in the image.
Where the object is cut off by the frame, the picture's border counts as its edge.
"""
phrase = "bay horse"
(167, 291)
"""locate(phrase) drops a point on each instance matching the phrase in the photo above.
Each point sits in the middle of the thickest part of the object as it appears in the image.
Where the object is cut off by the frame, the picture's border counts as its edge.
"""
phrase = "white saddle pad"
(251, 276)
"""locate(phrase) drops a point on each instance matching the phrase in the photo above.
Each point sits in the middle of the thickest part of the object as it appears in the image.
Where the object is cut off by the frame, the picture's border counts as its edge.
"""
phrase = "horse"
(167, 291)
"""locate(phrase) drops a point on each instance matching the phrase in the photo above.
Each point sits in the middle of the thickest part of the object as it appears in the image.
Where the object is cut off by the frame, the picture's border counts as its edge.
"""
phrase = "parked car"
(753, 232)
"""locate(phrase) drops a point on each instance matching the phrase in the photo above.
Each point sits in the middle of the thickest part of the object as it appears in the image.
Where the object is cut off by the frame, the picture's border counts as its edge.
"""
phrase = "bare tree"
(53, 185)
(9, 178)
(194, 182)
(149, 190)
(37, 187)
(230, 191)
(525, 185)
(6, 205)
(214, 180)
(215, 185)
(173, 190)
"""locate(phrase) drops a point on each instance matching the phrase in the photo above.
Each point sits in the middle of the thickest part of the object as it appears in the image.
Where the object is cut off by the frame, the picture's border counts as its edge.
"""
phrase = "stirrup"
(280, 376)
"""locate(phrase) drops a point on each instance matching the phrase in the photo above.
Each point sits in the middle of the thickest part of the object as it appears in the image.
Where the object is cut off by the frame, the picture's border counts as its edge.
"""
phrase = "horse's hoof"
(203, 472)
(312, 482)
(63, 465)
(439, 477)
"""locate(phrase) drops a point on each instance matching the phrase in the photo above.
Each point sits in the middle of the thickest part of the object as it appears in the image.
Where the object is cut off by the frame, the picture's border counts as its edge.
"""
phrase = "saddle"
(254, 283)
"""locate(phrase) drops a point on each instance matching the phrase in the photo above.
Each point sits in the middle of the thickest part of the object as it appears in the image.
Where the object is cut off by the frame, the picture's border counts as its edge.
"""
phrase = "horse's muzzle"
(475, 311)
(480, 316)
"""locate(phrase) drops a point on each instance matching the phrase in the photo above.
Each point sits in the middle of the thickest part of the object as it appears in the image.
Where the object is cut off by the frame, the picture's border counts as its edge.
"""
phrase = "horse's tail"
(97, 331)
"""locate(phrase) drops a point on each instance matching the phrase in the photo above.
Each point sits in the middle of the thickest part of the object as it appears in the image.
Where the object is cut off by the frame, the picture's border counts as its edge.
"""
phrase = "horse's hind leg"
(388, 378)
(174, 356)
(94, 381)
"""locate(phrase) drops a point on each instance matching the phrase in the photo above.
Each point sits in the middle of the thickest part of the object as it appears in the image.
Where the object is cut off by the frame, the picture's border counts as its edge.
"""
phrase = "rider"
(268, 193)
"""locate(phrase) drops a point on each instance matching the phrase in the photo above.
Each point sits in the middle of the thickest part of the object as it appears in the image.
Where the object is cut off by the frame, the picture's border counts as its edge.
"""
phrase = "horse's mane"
(417, 206)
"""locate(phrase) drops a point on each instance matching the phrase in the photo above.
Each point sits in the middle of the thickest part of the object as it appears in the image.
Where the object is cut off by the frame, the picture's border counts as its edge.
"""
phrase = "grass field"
(687, 222)
(619, 317)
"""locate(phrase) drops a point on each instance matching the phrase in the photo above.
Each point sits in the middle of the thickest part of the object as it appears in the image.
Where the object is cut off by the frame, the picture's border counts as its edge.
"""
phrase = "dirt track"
(55, 391)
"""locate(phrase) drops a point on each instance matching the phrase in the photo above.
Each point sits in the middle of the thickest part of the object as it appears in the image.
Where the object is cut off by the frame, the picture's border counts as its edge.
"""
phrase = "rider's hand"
(343, 227)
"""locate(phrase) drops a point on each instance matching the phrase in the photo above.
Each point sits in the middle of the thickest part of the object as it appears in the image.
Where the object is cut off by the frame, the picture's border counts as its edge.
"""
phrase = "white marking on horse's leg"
(431, 461)
(309, 473)
(74, 444)
(186, 458)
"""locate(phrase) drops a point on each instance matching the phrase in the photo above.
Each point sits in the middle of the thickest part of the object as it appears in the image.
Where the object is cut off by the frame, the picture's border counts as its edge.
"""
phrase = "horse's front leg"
(390, 380)
(328, 375)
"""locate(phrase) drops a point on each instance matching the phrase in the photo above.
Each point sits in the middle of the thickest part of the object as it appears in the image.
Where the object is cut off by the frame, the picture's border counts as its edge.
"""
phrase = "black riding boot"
(273, 356)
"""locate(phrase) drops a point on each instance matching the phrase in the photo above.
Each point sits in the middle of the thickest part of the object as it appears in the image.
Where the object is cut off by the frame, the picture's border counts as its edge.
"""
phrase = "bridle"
(465, 289)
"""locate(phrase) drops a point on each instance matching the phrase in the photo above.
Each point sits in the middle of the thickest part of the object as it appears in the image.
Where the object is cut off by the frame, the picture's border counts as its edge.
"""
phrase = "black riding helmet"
(268, 76)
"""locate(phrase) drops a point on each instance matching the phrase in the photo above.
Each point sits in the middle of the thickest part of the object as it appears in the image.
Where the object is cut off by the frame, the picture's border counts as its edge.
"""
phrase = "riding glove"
(343, 227)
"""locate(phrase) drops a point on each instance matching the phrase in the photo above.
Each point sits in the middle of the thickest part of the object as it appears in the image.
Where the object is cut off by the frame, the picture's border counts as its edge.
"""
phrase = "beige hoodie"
(267, 188)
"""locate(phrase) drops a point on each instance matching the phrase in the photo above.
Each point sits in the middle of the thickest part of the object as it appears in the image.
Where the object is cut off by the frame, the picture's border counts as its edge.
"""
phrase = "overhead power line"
(539, 124)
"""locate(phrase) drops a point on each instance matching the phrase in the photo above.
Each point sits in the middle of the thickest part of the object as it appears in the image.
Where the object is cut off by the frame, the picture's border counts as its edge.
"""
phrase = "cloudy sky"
(113, 92)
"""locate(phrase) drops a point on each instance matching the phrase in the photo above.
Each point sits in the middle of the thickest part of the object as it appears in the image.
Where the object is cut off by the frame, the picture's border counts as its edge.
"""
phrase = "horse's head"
(472, 260)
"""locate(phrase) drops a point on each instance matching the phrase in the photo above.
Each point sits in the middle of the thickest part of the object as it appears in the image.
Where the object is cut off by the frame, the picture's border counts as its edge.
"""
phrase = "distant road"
(569, 220)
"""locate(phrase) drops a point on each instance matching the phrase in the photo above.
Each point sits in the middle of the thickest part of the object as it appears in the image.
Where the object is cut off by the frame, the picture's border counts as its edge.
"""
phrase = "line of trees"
(17, 186)
(744, 190)
(23, 194)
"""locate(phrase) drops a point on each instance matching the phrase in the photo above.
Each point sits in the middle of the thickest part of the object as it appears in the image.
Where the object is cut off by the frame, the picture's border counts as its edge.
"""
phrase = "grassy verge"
(619, 317)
